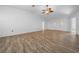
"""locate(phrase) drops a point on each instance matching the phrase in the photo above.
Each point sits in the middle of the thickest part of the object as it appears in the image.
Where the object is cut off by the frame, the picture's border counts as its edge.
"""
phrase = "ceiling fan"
(47, 10)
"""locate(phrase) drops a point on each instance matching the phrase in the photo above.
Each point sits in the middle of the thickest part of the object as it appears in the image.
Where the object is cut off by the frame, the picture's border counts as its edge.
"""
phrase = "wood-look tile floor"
(49, 41)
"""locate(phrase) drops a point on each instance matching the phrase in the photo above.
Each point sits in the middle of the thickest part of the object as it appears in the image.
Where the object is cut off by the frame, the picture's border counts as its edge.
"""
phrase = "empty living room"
(39, 28)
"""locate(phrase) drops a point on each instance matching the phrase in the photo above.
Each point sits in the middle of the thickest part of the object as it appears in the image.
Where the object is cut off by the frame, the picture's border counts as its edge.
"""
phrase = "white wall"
(58, 24)
(65, 24)
(77, 25)
(18, 21)
(76, 16)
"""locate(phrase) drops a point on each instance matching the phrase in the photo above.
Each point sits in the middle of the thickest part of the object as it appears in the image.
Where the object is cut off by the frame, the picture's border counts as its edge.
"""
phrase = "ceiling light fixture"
(47, 10)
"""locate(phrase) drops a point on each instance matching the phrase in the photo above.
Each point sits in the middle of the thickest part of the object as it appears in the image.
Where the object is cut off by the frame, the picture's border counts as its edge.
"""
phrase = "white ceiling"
(60, 11)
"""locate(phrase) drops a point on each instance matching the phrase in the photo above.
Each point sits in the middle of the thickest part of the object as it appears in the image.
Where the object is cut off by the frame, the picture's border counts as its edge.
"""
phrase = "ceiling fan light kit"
(47, 10)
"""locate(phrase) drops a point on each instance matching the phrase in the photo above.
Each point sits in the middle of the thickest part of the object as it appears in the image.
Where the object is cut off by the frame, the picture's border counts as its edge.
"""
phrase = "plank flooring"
(49, 41)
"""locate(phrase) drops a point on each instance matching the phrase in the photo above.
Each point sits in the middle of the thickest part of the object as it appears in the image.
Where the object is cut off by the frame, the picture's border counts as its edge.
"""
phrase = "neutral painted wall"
(76, 15)
(58, 24)
(67, 24)
(77, 22)
(15, 21)
(77, 25)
